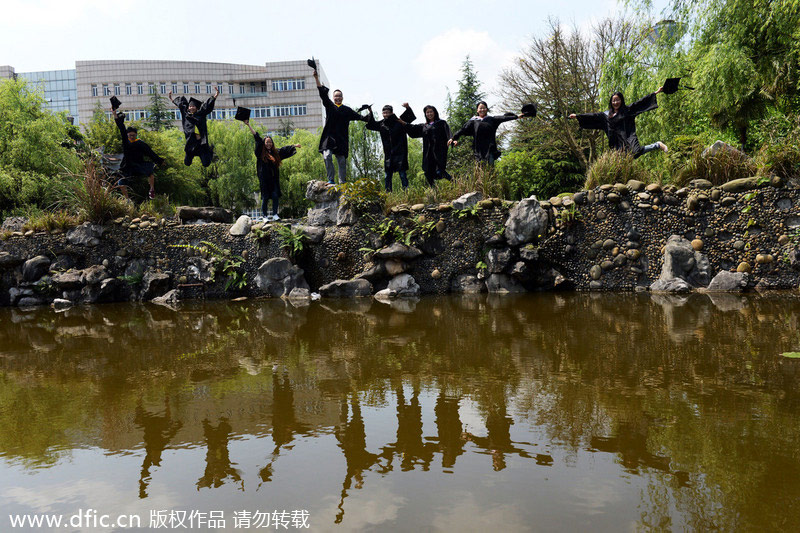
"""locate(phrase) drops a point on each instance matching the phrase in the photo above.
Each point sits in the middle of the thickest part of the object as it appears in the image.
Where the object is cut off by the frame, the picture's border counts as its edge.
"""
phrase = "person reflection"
(498, 440)
(409, 445)
(451, 434)
(352, 439)
(284, 422)
(218, 461)
(158, 431)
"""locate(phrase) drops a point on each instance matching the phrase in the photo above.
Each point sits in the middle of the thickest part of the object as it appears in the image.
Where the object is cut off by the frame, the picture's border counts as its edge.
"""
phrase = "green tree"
(460, 109)
(233, 183)
(366, 153)
(160, 117)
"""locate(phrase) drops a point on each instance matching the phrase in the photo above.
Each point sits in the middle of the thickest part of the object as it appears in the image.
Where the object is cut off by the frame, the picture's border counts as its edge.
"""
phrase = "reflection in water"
(664, 412)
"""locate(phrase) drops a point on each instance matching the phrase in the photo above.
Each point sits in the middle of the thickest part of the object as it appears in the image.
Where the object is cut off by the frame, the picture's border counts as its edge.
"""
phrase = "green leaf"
(791, 355)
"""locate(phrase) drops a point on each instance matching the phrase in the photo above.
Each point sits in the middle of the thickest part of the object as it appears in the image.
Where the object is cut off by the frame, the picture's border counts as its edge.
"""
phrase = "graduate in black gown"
(193, 119)
(268, 163)
(335, 138)
(483, 130)
(134, 152)
(619, 123)
(434, 133)
(395, 143)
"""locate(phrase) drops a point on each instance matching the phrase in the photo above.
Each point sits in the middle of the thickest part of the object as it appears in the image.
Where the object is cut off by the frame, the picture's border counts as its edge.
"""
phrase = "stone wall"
(611, 238)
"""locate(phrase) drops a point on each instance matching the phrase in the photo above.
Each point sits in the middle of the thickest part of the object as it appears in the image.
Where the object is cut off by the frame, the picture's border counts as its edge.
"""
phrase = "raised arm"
(247, 123)
(466, 129)
(151, 154)
(287, 151)
(119, 118)
(372, 124)
(208, 105)
(326, 100)
(591, 121)
(648, 103)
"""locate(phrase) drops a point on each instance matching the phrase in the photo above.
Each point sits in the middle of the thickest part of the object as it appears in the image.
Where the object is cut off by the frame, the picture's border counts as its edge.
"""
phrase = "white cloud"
(438, 65)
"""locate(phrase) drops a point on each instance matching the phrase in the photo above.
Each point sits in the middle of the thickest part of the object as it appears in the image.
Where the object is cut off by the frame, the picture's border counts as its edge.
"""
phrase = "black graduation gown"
(269, 174)
(133, 154)
(484, 134)
(394, 140)
(336, 131)
(621, 128)
(434, 144)
(197, 120)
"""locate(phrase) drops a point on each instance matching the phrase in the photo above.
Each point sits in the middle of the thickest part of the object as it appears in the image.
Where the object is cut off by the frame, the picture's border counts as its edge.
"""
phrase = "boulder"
(503, 284)
(345, 216)
(86, 234)
(315, 234)
(398, 251)
(683, 267)
(467, 200)
(8, 260)
(94, 275)
(404, 286)
(740, 185)
(212, 214)
(59, 304)
(67, 281)
(321, 192)
(154, 284)
(497, 260)
(527, 221)
(241, 226)
(342, 288)
(467, 284)
(35, 268)
(279, 277)
(170, 299)
(729, 282)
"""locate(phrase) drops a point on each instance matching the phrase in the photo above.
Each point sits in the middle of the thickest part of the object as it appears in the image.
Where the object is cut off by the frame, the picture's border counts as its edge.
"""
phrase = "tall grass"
(92, 198)
(615, 166)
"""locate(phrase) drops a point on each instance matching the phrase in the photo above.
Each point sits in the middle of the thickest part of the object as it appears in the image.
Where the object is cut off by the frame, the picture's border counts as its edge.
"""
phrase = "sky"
(376, 52)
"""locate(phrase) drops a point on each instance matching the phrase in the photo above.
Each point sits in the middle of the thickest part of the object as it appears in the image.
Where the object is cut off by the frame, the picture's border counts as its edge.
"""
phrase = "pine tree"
(462, 108)
(160, 117)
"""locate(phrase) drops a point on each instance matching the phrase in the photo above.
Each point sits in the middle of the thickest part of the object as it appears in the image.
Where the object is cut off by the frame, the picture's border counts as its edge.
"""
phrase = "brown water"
(544, 412)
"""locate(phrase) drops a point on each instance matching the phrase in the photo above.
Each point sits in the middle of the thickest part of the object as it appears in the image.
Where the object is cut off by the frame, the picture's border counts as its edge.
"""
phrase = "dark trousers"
(195, 149)
(388, 181)
(274, 196)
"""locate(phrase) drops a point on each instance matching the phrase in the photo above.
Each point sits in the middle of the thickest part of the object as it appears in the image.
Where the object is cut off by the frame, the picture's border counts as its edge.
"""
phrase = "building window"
(117, 90)
(241, 88)
(163, 88)
(219, 87)
(185, 88)
(106, 91)
(230, 88)
(263, 86)
(139, 88)
(196, 88)
(128, 89)
(288, 85)
(94, 90)
(151, 88)
(174, 87)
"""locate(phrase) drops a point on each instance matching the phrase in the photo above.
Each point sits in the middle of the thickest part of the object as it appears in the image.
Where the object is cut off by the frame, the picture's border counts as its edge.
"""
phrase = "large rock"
(212, 214)
(467, 284)
(326, 203)
(681, 264)
(497, 260)
(86, 234)
(154, 284)
(67, 281)
(740, 185)
(398, 251)
(527, 221)
(170, 299)
(404, 286)
(94, 275)
(8, 260)
(503, 284)
(345, 216)
(315, 234)
(467, 200)
(346, 289)
(279, 277)
(722, 148)
(241, 226)
(108, 290)
(35, 268)
(729, 282)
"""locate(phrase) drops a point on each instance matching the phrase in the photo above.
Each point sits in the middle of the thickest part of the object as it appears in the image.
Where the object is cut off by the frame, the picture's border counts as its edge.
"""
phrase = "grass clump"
(615, 166)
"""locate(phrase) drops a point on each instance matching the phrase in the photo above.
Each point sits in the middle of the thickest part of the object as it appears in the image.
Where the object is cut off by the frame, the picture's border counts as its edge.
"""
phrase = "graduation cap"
(312, 63)
(242, 113)
(195, 102)
(363, 107)
(115, 103)
(529, 110)
(671, 86)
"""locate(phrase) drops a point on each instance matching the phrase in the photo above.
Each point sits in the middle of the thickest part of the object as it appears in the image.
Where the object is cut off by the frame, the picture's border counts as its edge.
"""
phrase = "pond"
(542, 412)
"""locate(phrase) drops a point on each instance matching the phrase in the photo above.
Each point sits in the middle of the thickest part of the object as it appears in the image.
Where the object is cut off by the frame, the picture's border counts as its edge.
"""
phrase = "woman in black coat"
(434, 133)
(483, 130)
(268, 162)
(619, 123)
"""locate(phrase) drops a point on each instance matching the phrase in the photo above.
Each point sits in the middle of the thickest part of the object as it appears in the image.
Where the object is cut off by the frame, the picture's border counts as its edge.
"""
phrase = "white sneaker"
(275, 218)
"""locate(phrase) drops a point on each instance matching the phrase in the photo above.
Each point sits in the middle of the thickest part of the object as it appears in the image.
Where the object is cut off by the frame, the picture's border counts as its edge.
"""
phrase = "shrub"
(363, 195)
(723, 166)
(93, 199)
(615, 166)
(521, 174)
